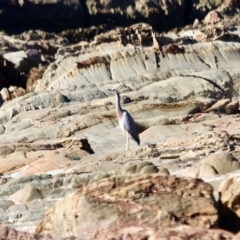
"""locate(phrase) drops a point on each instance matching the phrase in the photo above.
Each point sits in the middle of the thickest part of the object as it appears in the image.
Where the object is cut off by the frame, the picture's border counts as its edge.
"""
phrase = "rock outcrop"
(140, 200)
(64, 170)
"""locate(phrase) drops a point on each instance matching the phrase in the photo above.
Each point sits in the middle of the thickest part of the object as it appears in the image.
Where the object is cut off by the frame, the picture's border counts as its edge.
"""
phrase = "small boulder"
(139, 168)
(218, 163)
(206, 170)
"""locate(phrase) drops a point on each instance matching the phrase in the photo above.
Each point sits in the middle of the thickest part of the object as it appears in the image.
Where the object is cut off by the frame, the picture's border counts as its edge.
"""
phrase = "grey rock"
(35, 205)
(8, 190)
(56, 193)
(78, 182)
(18, 208)
(5, 204)
(32, 216)
(4, 218)
(26, 179)
(26, 194)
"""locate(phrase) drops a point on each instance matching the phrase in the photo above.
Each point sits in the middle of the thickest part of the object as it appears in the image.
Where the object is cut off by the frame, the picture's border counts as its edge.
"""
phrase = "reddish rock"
(140, 200)
(128, 233)
(181, 233)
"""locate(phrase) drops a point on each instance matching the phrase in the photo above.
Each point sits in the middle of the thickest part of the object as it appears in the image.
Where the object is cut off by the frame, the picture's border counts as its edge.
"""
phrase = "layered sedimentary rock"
(60, 142)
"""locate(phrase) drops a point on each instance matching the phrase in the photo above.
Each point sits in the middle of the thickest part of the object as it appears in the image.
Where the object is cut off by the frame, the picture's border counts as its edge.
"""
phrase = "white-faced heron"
(125, 120)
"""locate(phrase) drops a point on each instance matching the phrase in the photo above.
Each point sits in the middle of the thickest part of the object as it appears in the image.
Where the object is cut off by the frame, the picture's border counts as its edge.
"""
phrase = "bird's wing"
(130, 126)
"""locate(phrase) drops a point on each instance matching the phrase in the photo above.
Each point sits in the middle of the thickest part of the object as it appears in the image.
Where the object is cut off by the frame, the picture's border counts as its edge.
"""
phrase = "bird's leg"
(127, 146)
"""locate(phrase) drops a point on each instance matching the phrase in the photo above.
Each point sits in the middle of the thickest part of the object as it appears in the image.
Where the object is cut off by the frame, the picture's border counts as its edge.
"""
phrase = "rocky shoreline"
(64, 171)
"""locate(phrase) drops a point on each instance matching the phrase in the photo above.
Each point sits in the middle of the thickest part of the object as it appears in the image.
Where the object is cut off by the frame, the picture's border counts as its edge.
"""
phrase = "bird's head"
(113, 90)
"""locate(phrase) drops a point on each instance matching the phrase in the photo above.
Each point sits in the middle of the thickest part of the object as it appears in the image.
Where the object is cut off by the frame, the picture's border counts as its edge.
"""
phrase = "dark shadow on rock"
(1, 100)
(140, 127)
(228, 220)
(86, 13)
(86, 146)
(15, 19)
(9, 76)
(157, 60)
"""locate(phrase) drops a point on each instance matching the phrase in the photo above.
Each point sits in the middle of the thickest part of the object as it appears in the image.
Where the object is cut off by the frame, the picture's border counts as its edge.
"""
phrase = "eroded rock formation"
(61, 151)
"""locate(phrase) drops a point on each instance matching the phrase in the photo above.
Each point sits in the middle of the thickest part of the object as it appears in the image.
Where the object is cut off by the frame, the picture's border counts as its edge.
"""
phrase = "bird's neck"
(118, 104)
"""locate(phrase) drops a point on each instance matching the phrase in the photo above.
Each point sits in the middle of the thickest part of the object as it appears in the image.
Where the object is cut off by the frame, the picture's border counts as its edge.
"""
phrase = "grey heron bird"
(125, 120)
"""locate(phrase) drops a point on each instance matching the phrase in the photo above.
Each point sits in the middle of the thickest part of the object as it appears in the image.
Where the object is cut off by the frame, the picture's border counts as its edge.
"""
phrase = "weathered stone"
(218, 163)
(145, 200)
(211, 32)
(224, 106)
(18, 208)
(139, 168)
(181, 233)
(16, 91)
(34, 75)
(232, 107)
(35, 205)
(37, 151)
(26, 194)
(79, 182)
(229, 189)
(206, 170)
(12, 234)
(133, 232)
(163, 171)
(5, 204)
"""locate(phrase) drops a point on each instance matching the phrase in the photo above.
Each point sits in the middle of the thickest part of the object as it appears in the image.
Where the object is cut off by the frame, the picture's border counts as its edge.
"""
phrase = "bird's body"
(125, 121)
